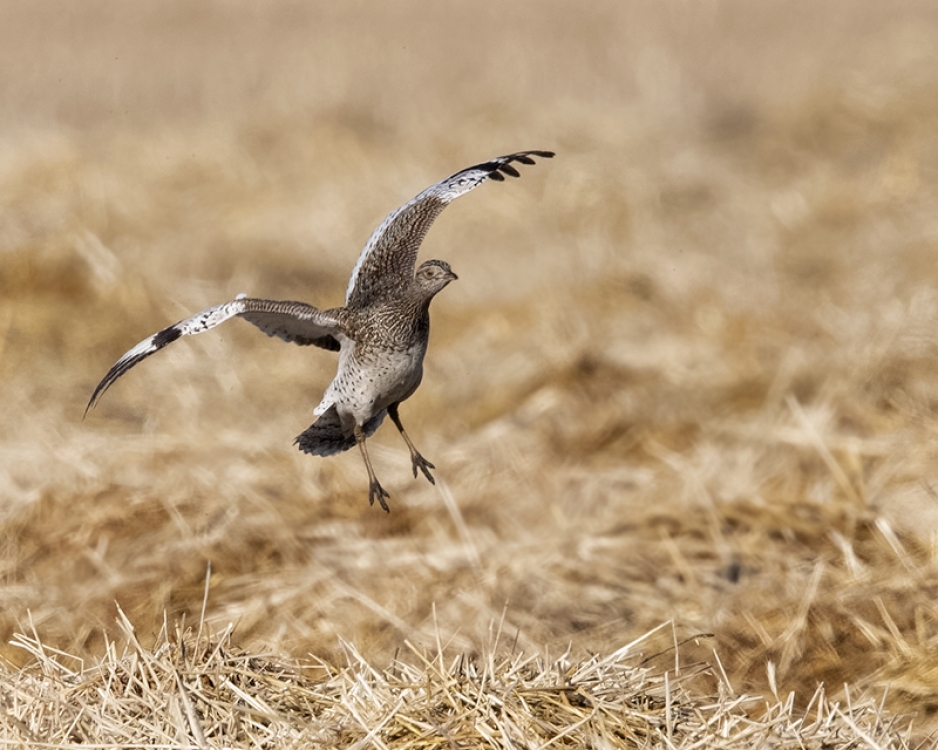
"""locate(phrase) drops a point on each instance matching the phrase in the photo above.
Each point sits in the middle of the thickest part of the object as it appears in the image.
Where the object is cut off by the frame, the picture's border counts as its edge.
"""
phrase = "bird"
(381, 333)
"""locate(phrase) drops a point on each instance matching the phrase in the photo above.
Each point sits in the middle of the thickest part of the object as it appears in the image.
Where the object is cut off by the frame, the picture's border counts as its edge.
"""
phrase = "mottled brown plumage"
(381, 333)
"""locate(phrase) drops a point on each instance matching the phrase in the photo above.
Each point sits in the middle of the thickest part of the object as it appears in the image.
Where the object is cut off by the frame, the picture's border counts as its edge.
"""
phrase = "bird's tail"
(325, 437)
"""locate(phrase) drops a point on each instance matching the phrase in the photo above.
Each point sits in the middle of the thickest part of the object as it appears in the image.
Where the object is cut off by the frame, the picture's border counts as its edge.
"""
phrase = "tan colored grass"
(687, 373)
(190, 691)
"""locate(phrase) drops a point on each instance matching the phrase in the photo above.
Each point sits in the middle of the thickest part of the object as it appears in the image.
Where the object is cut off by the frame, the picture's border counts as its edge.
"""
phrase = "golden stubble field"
(688, 371)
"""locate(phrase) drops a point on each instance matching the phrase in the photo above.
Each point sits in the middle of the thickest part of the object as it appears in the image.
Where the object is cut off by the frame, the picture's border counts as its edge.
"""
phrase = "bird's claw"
(375, 490)
(421, 463)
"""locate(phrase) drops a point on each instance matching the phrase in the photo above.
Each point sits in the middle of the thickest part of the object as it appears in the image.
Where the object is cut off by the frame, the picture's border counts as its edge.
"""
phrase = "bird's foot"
(375, 490)
(421, 463)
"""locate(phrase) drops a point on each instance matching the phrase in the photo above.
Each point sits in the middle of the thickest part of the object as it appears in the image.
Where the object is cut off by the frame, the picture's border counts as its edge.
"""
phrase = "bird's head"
(433, 275)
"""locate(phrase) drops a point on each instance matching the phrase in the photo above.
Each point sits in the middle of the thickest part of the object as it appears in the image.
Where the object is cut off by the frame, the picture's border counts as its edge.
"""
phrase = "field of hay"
(688, 374)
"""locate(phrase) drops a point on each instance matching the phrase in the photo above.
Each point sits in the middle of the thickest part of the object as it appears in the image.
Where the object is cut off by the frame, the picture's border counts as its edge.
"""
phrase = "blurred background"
(687, 372)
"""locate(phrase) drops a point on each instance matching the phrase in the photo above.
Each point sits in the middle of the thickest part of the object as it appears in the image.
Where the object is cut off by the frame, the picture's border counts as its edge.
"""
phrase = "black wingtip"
(131, 358)
(100, 389)
(524, 157)
(498, 168)
(113, 374)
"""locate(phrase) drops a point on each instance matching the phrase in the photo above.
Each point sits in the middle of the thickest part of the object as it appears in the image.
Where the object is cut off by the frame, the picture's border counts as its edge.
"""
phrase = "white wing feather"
(295, 322)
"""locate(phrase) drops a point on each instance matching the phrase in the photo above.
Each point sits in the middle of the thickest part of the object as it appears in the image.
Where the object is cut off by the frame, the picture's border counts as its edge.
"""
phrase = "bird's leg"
(419, 462)
(374, 487)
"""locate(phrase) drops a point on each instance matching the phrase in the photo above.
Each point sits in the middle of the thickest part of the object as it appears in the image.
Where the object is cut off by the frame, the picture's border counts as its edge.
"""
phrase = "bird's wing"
(295, 322)
(388, 260)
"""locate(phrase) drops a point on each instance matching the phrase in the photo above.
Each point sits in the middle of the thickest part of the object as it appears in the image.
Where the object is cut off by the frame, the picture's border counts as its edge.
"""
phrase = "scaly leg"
(418, 461)
(375, 490)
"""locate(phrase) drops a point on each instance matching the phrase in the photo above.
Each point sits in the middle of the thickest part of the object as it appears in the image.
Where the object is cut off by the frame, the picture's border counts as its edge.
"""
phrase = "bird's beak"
(452, 277)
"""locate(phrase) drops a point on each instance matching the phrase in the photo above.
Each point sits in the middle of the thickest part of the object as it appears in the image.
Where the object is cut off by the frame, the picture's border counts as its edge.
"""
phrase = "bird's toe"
(421, 463)
(375, 490)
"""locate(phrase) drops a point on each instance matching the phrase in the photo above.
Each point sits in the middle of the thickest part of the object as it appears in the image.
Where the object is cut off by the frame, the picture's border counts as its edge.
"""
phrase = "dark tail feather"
(325, 437)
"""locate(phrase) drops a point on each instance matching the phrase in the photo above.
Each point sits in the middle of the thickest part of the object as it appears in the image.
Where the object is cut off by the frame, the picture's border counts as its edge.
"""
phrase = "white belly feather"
(368, 382)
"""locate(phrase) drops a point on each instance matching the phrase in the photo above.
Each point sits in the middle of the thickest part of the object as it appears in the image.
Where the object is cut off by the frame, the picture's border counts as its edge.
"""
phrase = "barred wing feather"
(388, 259)
(295, 322)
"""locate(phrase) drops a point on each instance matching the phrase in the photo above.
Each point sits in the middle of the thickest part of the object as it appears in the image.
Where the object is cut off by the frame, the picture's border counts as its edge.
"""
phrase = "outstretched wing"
(295, 322)
(388, 260)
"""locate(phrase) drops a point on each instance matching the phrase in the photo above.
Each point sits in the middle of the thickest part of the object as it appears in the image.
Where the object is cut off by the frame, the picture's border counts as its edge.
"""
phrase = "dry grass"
(687, 374)
(194, 692)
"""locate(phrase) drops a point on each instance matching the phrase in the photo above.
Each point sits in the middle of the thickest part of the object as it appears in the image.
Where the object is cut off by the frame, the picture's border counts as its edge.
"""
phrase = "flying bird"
(381, 333)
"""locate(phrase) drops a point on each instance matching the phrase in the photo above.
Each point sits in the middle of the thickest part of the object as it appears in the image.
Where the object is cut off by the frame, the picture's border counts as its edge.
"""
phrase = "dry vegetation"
(190, 692)
(687, 375)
